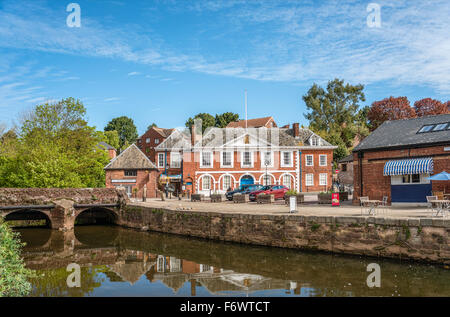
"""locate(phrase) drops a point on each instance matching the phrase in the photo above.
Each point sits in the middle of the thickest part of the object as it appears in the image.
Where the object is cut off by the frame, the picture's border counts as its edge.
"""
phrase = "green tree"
(153, 125)
(13, 274)
(110, 137)
(207, 121)
(125, 128)
(333, 113)
(223, 119)
(55, 148)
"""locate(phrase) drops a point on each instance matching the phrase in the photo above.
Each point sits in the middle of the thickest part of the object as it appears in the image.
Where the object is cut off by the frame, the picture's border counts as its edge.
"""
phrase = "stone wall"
(423, 240)
(44, 196)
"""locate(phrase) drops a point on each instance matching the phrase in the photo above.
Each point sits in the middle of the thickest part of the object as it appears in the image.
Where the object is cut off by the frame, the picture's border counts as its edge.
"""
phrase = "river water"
(122, 262)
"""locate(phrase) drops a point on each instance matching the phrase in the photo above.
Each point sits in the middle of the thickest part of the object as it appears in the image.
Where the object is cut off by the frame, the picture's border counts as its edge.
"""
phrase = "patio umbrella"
(443, 176)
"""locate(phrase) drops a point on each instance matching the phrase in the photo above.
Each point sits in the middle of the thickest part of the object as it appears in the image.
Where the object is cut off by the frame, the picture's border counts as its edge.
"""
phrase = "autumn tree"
(429, 107)
(392, 108)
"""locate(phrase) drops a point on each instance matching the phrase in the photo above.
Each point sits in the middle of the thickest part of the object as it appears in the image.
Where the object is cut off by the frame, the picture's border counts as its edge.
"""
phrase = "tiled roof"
(218, 137)
(176, 140)
(348, 158)
(105, 146)
(131, 158)
(164, 132)
(404, 133)
(251, 123)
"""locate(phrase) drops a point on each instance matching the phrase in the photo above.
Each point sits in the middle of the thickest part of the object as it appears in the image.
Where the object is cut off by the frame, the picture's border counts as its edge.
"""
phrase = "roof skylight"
(435, 127)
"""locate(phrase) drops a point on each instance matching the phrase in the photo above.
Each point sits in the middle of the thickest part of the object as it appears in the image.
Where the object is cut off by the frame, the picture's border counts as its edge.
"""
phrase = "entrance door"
(128, 189)
(247, 180)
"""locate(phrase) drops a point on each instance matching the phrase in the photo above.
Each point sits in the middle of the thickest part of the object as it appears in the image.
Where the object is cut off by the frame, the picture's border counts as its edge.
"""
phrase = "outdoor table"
(372, 205)
(442, 206)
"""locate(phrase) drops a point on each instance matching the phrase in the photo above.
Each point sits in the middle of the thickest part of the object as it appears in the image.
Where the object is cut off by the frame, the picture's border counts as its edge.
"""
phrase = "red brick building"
(398, 157)
(266, 122)
(133, 170)
(151, 139)
(227, 158)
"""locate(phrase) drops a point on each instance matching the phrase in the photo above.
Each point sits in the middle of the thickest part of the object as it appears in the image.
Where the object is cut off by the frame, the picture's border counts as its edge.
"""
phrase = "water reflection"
(122, 262)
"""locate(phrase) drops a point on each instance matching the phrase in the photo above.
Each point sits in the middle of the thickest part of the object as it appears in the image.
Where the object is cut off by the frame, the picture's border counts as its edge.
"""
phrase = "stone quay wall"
(425, 240)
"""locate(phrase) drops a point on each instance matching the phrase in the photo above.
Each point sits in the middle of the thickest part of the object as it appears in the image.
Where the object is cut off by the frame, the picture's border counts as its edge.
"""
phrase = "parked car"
(243, 189)
(277, 190)
(252, 195)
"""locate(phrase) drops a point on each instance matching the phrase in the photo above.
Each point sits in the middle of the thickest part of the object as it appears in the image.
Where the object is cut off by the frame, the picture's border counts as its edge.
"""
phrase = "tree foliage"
(223, 119)
(333, 114)
(392, 108)
(110, 137)
(54, 148)
(13, 274)
(429, 107)
(153, 125)
(125, 128)
(207, 121)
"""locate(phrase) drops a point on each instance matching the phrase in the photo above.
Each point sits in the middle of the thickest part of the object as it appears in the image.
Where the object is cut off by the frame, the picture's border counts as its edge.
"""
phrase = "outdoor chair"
(384, 204)
(362, 201)
(439, 195)
(432, 206)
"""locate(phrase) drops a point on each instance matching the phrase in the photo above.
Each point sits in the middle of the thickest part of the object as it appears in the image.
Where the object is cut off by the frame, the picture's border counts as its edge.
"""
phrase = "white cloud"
(268, 40)
(112, 99)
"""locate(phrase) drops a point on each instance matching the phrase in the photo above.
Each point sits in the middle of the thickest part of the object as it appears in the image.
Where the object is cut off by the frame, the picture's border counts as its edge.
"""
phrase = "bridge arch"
(28, 214)
(96, 215)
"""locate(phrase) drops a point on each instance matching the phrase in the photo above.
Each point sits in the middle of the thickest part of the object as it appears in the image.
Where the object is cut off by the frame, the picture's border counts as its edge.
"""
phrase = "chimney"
(296, 128)
(112, 154)
(195, 134)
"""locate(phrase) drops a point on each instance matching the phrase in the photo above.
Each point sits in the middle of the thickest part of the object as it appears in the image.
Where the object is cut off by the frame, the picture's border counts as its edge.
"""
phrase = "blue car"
(243, 189)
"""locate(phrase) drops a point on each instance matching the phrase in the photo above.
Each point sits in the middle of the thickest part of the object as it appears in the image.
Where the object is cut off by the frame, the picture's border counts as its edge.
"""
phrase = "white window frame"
(251, 159)
(173, 162)
(326, 159)
(283, 179)
(231, 158)
(223, 181)
(156, 141)
(306, 159)
(147, 140)
(291, 159)
(398, 180)
(263, 158)
(315, 139)
(267, 177)
(312, 180)
(211, 159)
(163, 155)
(321, 175)
(210, 182)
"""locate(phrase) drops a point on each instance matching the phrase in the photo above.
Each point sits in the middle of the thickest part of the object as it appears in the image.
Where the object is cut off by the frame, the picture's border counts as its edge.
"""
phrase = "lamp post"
(266, 163)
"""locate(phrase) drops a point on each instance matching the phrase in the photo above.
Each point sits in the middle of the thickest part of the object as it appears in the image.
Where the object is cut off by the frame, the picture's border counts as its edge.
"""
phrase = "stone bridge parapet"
(61, 205)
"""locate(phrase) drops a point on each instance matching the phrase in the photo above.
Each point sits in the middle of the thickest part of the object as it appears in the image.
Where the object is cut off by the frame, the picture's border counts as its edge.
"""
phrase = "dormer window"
(315, 141)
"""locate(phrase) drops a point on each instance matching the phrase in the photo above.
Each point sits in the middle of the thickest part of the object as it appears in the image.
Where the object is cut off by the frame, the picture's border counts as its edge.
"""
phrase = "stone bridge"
(61, 207)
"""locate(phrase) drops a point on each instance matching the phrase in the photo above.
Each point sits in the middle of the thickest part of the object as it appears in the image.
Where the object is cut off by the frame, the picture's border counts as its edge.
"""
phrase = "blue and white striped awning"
(409, 166)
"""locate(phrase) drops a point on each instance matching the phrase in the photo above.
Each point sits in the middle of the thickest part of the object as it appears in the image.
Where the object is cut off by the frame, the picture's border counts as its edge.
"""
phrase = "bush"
(13, 274)
(291, 192)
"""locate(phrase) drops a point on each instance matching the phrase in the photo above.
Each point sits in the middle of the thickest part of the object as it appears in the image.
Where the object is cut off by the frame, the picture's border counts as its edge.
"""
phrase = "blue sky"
(163, 61)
